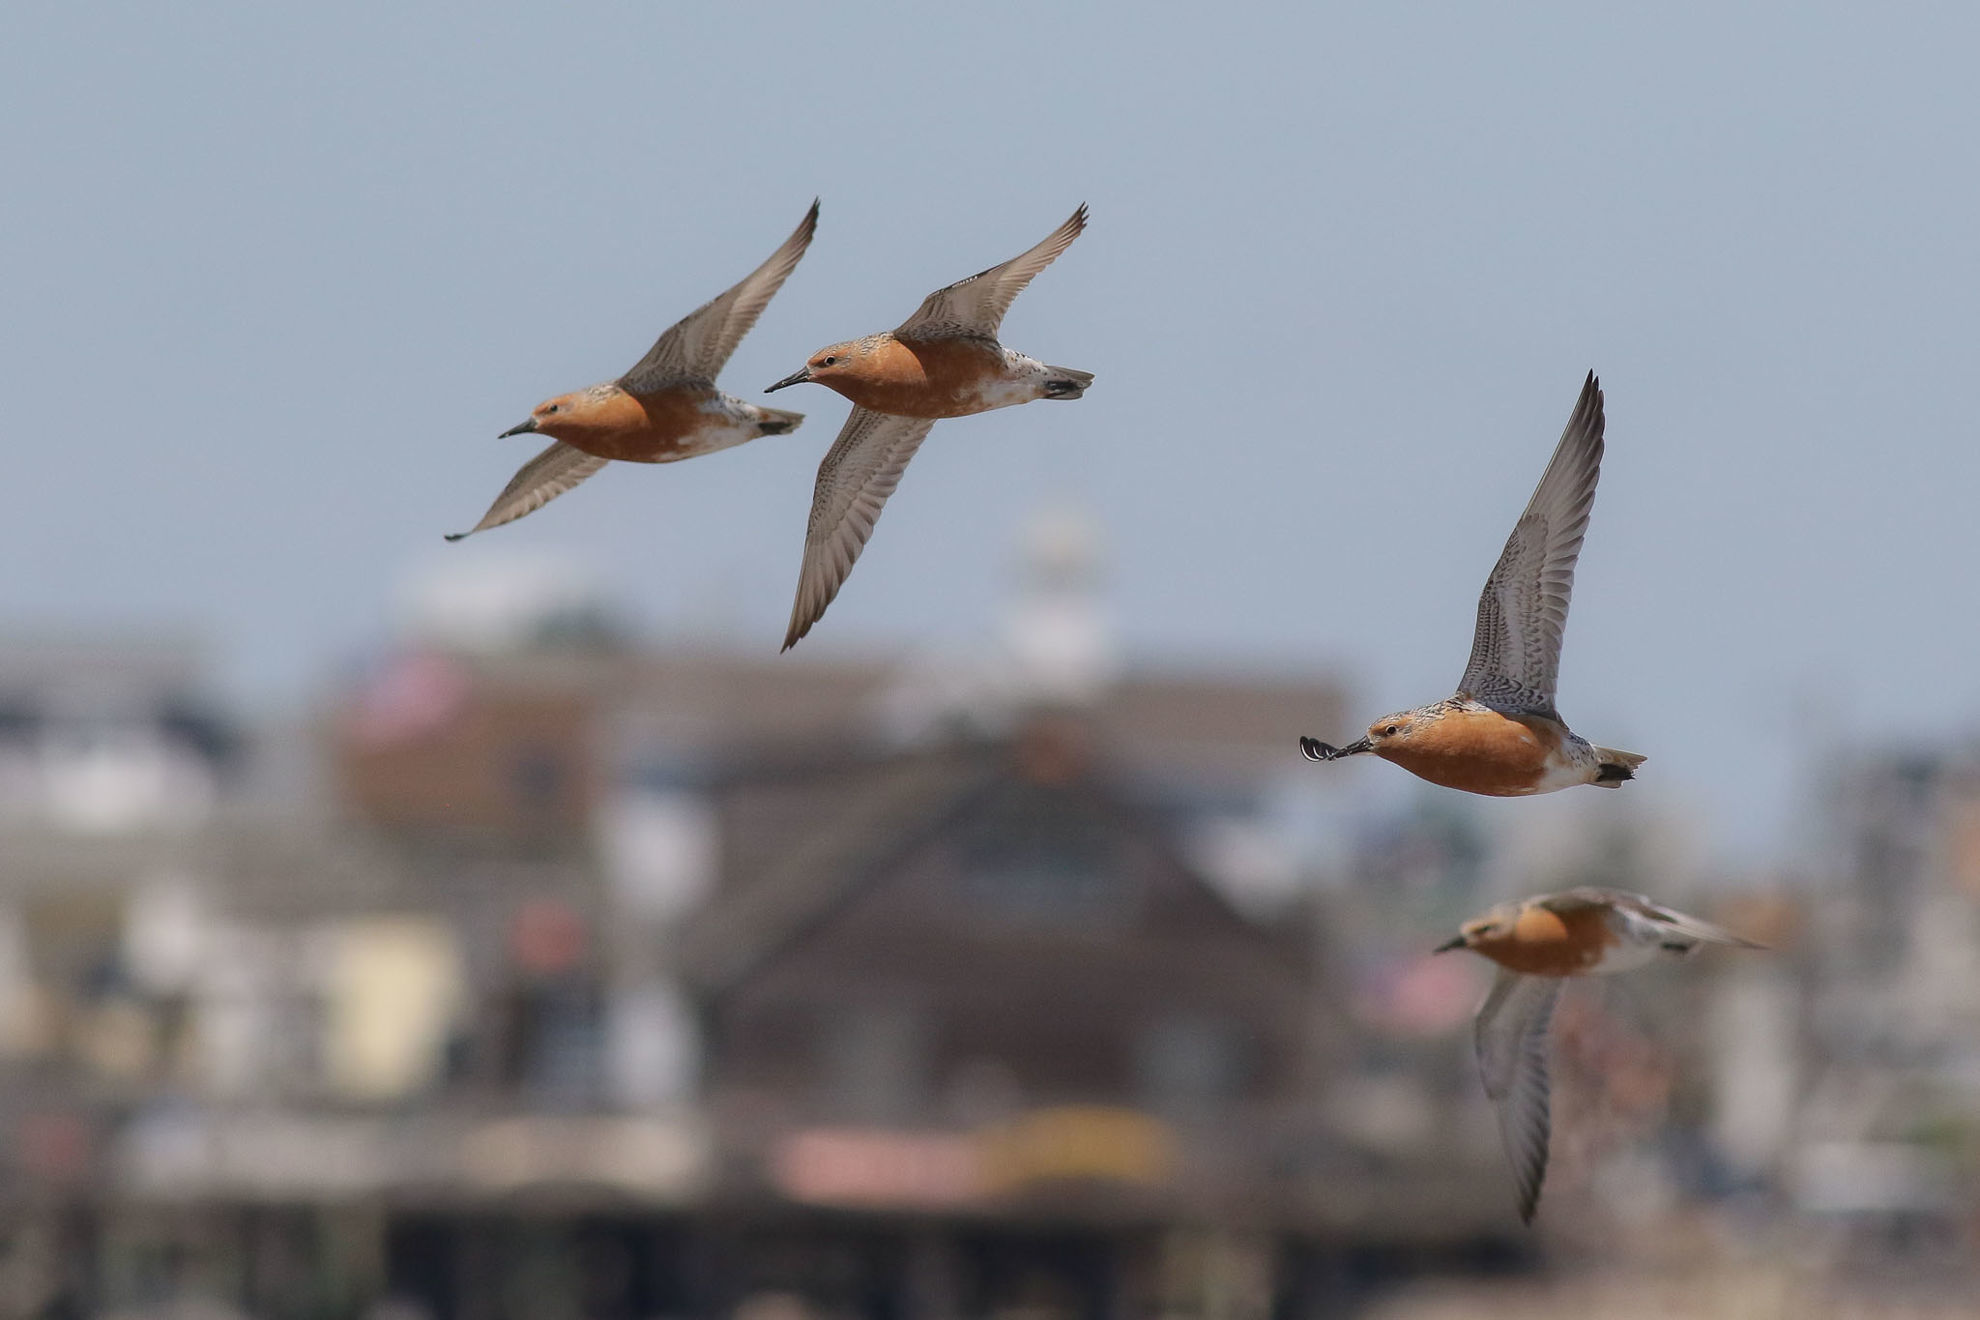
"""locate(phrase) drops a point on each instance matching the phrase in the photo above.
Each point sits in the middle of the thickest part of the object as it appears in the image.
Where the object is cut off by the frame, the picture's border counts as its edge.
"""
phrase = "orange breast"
(1545, 943)
(1478, 751)
(656, 428)
(922, 378)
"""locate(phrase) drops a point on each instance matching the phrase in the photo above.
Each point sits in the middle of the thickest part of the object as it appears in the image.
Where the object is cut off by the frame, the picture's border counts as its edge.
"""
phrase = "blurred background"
(505, 930)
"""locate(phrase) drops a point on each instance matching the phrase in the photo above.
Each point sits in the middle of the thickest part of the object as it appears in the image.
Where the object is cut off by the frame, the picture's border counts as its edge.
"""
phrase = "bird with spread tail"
(666, 408)
(944, 361)
(1500, 735)
(1538, 943)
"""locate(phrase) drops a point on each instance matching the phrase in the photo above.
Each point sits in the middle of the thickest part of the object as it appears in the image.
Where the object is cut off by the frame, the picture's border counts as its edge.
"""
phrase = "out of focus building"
(537, 971)
(1887, 1142)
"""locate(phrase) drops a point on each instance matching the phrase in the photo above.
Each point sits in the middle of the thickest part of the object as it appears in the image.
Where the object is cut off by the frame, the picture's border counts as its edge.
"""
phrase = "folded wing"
(859, 473)
(1516, 650)
(699, 346)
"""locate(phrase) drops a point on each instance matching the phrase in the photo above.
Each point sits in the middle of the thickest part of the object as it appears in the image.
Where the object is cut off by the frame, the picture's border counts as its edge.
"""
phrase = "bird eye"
(552, 408)
(828, 362)
(1392, 730)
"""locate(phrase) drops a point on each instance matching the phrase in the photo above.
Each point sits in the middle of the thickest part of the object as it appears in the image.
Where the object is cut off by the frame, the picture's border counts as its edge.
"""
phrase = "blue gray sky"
(277, 275)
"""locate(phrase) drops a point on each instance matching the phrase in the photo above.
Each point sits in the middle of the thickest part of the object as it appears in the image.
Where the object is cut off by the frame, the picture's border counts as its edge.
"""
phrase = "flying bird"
(944, 361)
(1538, 943)
(1500, 735)
(665, 409)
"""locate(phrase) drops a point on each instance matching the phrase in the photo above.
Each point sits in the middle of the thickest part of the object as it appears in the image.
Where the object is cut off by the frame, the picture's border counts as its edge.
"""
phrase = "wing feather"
(1511, 1038)
(539, 481)
(1516, 650)
(1679, 925)
(859, 473)
(976, 306)
(697, 347)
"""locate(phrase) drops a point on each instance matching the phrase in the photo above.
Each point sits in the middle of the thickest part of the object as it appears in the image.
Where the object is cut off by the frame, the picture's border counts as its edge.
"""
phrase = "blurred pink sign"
(845, 1166)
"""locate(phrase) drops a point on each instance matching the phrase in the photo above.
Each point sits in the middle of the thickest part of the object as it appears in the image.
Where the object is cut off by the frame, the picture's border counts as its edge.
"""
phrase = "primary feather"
(1522, 613)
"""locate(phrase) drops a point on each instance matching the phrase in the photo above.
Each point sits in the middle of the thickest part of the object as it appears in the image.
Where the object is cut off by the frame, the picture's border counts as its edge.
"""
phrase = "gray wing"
(698, 347)
(540, 480)
(1679, 926)
(1511, 1037)
(976, 306)
(859, 473)
(1582, 897)
(1516, 650)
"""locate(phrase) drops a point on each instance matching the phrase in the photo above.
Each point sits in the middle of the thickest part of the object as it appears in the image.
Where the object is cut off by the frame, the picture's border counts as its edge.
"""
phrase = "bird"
(944, 361)
(1538, 943)
(1500, 735)
(666, 408)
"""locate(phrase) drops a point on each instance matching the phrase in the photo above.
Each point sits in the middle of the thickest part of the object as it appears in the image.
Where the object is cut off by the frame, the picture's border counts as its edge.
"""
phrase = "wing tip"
(1529, 1205)
(1062, 238)
(1530, 1172)
(803, 616)
(1588, 409)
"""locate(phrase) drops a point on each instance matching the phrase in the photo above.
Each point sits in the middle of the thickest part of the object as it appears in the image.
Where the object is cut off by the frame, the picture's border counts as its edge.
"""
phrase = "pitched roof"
(870, 811)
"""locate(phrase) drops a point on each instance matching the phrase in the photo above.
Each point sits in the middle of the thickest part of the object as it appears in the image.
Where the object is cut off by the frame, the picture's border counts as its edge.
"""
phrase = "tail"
(1614, 767)
(1065, 383)
(1687, 933)
(775, 421)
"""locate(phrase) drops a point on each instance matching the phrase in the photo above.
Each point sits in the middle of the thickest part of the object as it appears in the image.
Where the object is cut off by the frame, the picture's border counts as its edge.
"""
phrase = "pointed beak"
(798, 377)
(526, 428)
(1316, 750)
(1455, 942)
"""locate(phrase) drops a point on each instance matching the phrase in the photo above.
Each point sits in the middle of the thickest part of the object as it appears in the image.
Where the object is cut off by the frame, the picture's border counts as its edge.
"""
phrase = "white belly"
(1562, 772)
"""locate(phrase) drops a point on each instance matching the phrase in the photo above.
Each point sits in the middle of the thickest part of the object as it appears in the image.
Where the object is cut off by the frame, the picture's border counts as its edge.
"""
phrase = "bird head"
(1383, 733)
(833, 362)
(566, 414)
(1494, 926)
